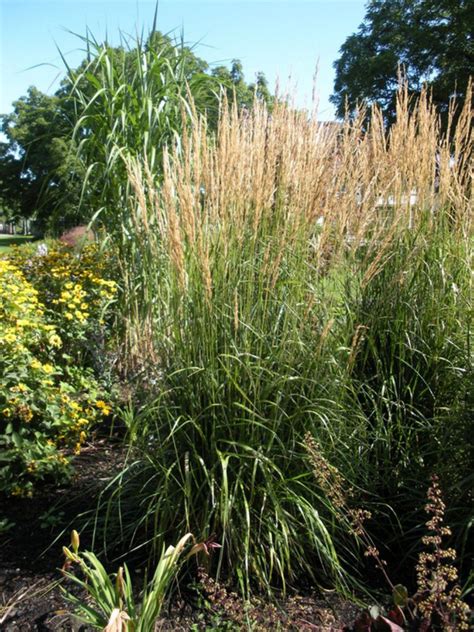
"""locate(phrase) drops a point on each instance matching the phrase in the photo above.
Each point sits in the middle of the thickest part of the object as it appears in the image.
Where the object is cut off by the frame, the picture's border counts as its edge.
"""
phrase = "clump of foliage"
(112, 603)
(48, 400)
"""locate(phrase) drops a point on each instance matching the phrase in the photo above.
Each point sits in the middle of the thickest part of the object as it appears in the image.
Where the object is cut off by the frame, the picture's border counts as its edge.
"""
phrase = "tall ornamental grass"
(130, 101)
(290, 276)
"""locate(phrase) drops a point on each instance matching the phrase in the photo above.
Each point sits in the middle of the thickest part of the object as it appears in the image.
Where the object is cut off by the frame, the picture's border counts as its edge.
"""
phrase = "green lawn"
(6, 241)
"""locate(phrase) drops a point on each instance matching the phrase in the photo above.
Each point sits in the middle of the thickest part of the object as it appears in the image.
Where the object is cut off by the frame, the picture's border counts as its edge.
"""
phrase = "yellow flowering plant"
(76, 291)
(48, 399)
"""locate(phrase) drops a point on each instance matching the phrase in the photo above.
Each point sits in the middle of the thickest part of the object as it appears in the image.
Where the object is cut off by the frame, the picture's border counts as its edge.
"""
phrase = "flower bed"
(50, 306)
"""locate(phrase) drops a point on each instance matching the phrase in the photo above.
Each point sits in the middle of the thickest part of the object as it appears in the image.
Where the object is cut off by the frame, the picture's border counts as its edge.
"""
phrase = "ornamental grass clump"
(290, 276)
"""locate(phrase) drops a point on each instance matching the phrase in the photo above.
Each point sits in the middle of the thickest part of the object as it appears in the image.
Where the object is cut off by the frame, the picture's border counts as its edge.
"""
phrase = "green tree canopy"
(233, 81)
(430, 41)
(39, 172)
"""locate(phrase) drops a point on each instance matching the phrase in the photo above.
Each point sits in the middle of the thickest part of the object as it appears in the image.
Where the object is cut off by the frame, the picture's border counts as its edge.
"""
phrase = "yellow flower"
(21, 387)
(69, 285)
(104, 408)
(48, 368)
(10, 337)
(35, 364)
(55, 341)
(69, 316)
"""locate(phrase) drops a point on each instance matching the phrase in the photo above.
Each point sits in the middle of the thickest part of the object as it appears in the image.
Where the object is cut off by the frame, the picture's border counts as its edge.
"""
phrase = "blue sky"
(280, 38)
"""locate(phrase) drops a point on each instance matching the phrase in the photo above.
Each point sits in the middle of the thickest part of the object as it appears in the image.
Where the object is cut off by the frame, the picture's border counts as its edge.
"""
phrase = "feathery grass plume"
(282, 172)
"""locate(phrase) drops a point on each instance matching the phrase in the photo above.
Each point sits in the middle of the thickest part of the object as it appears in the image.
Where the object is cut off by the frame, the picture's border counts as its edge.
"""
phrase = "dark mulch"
(31, 558)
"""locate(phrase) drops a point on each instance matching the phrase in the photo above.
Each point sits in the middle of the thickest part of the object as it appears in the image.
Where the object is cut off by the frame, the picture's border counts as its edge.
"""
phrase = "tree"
(430, 41)
(38, 169)
(233, 81)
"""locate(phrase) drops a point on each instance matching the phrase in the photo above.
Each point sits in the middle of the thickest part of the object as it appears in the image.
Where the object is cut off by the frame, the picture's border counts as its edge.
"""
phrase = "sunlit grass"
(7, 241)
